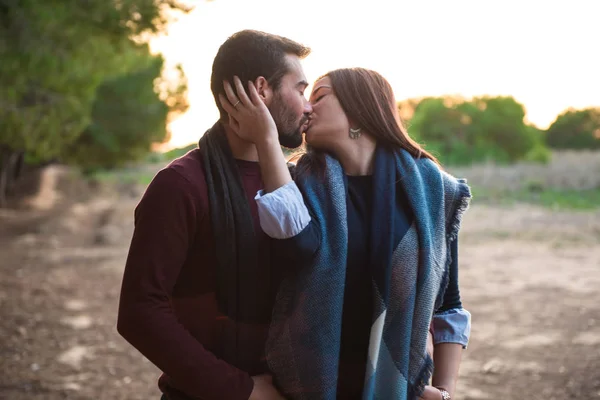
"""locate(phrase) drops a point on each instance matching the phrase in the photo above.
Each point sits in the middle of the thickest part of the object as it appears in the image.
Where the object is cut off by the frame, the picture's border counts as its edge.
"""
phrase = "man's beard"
(289, 129)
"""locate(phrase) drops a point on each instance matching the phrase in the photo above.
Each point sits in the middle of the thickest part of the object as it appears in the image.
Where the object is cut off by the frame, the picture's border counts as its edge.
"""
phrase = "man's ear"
(264, 89)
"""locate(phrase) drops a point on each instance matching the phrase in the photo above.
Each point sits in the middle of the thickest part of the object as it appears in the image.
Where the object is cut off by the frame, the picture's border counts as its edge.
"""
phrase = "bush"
(461, 132)
(178, 152)
(538, 154)
(575, 130)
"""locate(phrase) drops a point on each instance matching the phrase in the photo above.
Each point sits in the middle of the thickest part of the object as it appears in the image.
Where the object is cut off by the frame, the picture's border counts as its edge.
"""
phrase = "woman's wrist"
(268, 145)
(268, 139)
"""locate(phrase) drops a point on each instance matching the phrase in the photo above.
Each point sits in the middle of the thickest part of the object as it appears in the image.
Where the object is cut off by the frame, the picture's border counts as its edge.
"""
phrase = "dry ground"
(530, 277)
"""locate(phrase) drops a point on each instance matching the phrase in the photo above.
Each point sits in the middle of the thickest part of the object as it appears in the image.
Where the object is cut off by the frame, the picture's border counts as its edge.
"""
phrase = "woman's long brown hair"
(368, 101)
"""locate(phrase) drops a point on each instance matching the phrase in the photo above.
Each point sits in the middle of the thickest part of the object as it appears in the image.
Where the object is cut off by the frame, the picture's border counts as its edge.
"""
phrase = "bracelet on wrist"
(445, 394)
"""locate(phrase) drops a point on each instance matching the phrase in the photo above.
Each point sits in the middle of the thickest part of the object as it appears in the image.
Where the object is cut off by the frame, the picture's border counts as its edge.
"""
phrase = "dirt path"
(530, 277)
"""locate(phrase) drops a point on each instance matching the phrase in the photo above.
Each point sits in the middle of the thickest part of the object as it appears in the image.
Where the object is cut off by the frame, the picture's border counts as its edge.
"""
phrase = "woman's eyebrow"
(319, 88)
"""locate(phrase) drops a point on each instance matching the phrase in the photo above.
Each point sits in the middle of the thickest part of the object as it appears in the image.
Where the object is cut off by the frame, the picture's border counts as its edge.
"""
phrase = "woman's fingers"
(241, 92)
(254, 97)
(231, 97)
(226, 104)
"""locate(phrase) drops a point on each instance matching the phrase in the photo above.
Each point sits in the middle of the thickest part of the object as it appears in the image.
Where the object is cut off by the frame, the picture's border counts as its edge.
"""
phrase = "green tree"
(485, 128)
(500, 124)
(130, 114)
(444, 127)
(575, 129)
(54, 55)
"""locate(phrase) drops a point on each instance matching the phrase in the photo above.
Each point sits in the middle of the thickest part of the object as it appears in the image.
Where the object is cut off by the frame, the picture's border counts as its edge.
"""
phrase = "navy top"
(357, 313)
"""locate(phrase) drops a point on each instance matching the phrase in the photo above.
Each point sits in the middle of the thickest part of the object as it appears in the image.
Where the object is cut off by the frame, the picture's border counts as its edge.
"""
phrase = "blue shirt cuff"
(282, 212)
(452, 326)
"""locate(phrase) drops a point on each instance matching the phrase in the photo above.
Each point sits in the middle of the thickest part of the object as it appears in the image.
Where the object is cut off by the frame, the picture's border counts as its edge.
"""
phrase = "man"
(198, 287)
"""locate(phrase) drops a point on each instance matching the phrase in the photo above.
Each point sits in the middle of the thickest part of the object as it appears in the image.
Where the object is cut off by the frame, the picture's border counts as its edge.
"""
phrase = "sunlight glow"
(542, 53)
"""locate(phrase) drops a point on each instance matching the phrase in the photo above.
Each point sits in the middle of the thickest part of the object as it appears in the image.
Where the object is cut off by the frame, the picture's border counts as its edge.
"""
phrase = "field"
(529, 274)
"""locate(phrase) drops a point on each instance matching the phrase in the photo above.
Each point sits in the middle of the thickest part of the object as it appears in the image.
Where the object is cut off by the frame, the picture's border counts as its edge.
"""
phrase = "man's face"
(289, 107)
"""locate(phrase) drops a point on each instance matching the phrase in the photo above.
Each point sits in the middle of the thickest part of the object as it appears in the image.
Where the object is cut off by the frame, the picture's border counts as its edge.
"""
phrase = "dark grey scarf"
(243, 294)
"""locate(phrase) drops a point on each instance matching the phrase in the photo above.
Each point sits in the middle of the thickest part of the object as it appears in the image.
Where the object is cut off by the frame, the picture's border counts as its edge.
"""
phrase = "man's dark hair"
(250, 54)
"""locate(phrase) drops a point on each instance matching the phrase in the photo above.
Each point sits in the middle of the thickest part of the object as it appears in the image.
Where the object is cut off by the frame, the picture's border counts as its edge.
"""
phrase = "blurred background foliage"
(494, 129)
(79, 85)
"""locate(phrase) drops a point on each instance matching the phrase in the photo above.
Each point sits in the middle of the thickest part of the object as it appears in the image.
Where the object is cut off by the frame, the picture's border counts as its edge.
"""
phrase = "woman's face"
(328, 124)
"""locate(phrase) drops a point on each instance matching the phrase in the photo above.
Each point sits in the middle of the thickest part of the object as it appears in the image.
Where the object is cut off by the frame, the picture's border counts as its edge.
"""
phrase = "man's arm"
(165, 226)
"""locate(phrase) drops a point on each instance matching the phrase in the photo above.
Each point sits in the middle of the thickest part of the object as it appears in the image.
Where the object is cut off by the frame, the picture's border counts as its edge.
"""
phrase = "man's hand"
(431, 393)
(264, 389)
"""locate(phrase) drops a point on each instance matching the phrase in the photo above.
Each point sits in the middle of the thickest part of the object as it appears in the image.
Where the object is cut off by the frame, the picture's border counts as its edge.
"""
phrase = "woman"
(372, 220)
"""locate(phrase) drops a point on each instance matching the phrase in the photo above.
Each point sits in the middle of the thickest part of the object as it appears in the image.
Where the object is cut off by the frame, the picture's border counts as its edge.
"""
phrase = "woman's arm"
(452, 327)
(281, 209)
(285, 218)
(446, 358)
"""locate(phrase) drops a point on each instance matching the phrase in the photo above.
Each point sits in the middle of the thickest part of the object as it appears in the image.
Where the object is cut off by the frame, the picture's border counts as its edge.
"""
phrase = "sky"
(546, 54)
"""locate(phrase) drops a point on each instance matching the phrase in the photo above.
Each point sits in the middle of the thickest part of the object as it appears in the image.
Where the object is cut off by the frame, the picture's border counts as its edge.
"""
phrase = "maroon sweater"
(168, 309)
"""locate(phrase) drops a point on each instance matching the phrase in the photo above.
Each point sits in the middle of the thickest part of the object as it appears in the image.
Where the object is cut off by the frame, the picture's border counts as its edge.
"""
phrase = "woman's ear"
(264, 89)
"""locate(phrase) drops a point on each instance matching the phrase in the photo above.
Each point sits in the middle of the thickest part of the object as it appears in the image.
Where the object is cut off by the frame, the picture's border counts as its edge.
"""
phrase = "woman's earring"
(355, 133)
